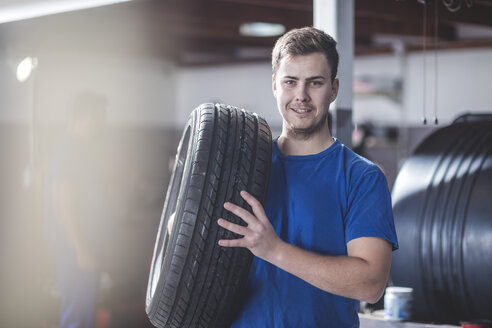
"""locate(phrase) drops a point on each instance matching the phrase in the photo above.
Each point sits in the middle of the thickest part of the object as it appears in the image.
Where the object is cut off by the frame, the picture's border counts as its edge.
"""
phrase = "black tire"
(193, 281)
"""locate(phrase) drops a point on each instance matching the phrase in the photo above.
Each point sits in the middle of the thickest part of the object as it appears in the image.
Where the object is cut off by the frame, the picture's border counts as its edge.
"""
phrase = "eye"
(290, 82)
(316, 83)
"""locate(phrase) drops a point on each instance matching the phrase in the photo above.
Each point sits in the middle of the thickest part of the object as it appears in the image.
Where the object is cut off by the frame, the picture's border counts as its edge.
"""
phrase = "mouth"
(301, 110)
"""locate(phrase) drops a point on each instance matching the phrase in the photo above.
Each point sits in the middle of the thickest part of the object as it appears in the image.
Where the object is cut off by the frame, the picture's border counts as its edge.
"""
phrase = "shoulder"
(358, 170)
(357, 163)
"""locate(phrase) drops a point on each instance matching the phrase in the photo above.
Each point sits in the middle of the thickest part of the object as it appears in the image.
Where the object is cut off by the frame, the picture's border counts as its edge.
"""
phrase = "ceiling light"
(261, 29)
(25, 68)
(33, 8)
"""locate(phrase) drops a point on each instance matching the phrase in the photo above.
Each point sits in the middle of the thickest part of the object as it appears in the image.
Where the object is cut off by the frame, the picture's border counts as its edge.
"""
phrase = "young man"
(324, 240)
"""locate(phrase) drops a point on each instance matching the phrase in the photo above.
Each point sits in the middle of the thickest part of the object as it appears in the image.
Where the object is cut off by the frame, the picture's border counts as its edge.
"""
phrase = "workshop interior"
(415, 98)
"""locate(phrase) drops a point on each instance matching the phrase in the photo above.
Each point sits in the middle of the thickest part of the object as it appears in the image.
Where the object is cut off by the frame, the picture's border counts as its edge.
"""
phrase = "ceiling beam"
(303, 5)
(189, 11)
(366, 27)
(408, 10)
(363, 49)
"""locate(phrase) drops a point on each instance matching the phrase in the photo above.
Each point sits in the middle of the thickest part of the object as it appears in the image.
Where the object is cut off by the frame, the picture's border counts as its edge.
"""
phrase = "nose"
(302, 94)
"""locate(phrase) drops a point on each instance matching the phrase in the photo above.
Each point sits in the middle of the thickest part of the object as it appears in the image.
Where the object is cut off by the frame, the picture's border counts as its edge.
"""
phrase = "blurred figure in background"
(359, 140)
(77, 220)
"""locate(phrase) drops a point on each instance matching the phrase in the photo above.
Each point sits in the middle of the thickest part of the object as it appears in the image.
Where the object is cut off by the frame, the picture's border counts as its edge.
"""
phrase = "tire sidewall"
(186, 181)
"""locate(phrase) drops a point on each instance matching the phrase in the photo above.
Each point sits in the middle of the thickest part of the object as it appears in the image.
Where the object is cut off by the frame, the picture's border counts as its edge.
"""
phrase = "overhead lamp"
(25, 68)
(34, 8)
(261, 29)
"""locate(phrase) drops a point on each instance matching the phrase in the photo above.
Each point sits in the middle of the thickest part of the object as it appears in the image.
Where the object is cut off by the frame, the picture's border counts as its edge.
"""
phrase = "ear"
(274, 87)
(334, 90)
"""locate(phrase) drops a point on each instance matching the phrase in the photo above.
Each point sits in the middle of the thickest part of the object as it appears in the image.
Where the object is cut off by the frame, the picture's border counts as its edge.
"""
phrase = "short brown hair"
(305, 41)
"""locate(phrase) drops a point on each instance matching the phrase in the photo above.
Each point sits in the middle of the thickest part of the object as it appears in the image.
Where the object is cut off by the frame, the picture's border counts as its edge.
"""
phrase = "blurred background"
(105, 88)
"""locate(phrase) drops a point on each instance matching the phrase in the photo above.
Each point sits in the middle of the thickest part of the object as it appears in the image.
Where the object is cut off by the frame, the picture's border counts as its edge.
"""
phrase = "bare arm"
(361, 275)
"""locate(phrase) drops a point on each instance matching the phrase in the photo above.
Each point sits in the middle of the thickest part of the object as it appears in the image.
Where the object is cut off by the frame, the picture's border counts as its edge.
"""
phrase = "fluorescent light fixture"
(24, 9)
(261, 29)
(25, 68)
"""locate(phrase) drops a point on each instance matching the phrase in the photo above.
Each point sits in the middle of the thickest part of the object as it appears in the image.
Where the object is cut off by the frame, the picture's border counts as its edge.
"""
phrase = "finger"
(241, 212)
(255, 204)
(236, 228)
(232, 242)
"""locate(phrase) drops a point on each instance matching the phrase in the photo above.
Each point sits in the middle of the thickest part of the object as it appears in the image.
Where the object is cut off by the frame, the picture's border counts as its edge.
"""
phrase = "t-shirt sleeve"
(369, 211)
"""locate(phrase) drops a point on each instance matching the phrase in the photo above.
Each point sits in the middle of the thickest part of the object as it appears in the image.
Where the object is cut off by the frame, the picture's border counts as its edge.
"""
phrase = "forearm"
(361, 275)
(348, 276)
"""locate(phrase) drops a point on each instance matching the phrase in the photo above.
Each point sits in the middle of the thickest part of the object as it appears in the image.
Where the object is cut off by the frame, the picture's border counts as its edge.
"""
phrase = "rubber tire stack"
(193, 281)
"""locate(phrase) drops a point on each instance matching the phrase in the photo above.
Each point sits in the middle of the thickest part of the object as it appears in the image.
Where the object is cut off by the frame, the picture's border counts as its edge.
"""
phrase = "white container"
(398, 303)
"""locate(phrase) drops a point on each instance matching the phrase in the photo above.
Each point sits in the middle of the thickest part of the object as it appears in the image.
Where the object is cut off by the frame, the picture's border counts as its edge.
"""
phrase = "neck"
(290, 144)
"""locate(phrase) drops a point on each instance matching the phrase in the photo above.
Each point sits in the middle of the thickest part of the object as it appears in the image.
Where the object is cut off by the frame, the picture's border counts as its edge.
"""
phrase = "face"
(304, 91)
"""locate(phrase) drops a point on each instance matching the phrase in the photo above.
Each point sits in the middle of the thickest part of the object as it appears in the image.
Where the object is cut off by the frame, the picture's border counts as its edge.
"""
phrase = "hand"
(258, 236)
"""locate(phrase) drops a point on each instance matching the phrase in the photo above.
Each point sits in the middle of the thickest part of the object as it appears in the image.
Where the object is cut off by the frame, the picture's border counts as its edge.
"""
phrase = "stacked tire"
(193, 281)
(442, 208)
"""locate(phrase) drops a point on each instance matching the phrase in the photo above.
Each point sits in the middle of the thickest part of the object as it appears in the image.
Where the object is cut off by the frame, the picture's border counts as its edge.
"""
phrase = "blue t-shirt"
(319, 203)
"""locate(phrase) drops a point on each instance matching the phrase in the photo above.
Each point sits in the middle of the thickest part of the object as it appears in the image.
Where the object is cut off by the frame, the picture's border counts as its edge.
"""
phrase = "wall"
(464, 79)
(247, 86)
(152, 92)
(463, 85)
(140, 90)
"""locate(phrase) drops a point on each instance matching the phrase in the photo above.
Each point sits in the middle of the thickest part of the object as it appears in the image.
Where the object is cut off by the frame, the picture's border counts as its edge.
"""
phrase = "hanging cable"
(436, 27)
(424, 33)
(453, 5)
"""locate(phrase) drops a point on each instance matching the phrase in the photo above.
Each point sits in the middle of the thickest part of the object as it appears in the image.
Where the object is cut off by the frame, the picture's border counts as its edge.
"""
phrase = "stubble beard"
(308, 132)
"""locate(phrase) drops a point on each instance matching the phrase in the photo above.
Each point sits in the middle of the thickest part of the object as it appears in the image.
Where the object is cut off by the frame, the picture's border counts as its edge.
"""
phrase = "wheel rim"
(168, 223)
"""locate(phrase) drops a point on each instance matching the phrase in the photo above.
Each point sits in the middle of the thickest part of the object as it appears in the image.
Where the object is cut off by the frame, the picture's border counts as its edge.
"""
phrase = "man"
(77, 218)
(324, 240)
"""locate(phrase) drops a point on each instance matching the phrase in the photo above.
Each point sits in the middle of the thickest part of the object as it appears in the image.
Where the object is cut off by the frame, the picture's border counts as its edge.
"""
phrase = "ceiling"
(204, 32)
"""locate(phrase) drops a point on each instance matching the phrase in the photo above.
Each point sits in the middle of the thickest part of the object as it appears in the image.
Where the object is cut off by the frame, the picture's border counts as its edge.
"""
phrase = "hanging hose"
(424, 68)
(453, 5)
(424, 64)
(436, 26)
